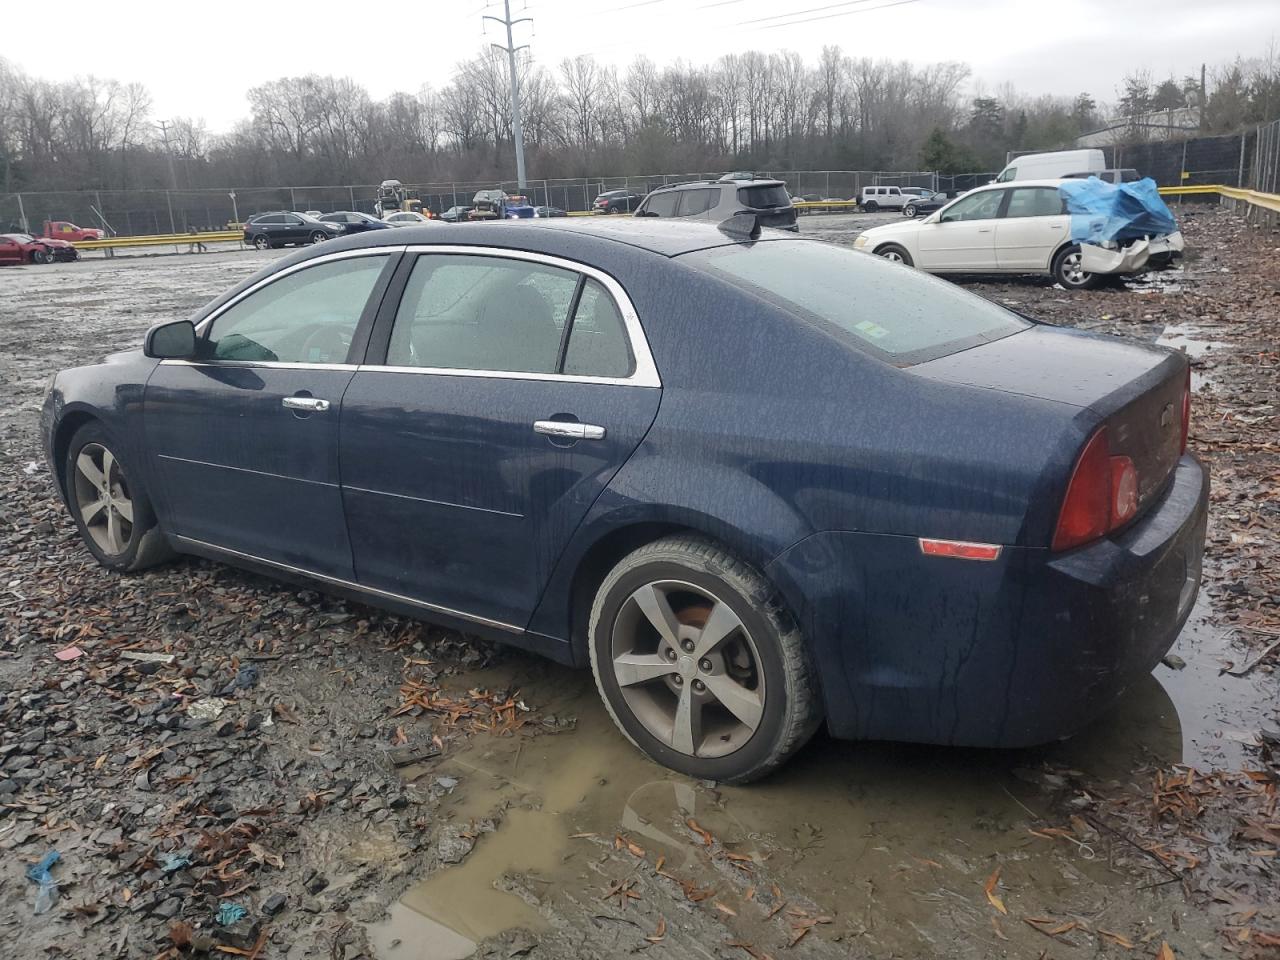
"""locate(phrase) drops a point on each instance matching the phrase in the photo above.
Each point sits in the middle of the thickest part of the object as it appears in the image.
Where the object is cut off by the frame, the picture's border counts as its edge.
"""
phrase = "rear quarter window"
(896, 314)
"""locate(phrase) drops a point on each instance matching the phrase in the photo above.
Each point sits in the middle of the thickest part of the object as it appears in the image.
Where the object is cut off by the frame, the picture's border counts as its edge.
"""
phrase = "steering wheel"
(325, 344)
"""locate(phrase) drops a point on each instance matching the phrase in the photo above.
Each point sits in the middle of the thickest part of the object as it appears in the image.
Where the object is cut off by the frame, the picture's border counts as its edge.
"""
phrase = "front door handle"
(569, 429)
(310, 404)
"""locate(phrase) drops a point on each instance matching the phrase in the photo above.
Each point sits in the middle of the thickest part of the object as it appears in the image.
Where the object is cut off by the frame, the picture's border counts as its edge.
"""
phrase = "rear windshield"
(892, 312)
(760, 198)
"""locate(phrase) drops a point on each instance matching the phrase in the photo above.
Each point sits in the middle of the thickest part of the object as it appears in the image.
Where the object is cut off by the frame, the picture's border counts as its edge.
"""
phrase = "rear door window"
(913, 319)
(764, 197)
(461, 312)
(598, 344)
(694, 202)
(1035, 202)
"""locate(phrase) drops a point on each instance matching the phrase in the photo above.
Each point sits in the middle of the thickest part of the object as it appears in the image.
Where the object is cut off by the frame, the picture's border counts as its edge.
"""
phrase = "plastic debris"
(174, 861)
(39, 873)
(69, 653)
(210, 708)
(229, 913)
(142, 656)
(246, 677)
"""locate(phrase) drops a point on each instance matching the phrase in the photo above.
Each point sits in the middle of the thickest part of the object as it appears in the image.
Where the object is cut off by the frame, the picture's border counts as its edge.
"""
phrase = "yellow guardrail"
(1268, 201)
(160, 240)
(824, 204)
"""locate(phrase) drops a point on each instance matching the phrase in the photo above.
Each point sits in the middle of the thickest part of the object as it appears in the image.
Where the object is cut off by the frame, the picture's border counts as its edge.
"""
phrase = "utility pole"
(173, 177)
(516, 132)
(1204, 95)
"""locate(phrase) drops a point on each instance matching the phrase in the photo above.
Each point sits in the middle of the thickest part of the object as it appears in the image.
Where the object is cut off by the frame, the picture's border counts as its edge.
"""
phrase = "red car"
(24, 248)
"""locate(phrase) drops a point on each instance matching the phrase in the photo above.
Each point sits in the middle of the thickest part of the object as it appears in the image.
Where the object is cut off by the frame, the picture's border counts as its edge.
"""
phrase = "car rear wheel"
(1067, 270)
(261, 243)
(895, 253)
(111, 511)
(698, 663)
(909, 210)
(319, 236)
(871, 206)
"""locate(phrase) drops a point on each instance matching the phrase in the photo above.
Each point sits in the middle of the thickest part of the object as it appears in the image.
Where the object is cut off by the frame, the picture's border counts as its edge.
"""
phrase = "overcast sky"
(198, 59)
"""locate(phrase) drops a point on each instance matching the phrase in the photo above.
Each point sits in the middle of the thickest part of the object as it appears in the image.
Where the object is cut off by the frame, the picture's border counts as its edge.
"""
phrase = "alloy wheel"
(102, 499)
(1072, 273)
(261, 242)
(688, 668)
(893, 256)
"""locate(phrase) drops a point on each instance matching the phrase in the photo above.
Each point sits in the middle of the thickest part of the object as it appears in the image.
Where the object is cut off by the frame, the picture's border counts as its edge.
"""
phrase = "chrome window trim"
(645, 373)
(269, 364)
(351, 585)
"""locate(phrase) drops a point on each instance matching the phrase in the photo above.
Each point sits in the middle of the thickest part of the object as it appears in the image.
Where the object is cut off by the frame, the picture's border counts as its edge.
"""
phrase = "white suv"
(883, 198)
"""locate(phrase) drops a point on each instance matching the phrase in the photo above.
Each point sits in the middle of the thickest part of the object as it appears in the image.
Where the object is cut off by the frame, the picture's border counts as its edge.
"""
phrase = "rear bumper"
(1019, 651)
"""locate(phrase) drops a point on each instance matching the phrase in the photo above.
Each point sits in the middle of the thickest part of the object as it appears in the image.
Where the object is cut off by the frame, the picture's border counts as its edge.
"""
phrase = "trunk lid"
(1134, 389)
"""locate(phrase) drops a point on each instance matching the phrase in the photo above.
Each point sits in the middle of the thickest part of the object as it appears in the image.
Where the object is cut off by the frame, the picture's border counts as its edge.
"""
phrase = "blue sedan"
(757, 482)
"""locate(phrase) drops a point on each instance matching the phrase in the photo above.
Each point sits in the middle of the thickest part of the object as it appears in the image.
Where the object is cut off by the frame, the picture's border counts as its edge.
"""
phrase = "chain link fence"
(1250, 159)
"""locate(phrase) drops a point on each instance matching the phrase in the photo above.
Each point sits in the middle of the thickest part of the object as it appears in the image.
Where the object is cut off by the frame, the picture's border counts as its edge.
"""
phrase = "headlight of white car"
(860, 242)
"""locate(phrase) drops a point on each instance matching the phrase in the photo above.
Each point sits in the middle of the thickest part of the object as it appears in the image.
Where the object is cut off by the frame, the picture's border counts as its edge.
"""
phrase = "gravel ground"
(358, 784)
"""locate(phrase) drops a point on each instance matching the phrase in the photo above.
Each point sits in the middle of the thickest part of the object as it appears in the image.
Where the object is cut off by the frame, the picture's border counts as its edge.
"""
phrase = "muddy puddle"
(887, 845)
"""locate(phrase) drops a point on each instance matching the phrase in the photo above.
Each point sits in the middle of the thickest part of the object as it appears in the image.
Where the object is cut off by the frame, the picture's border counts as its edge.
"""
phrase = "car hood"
(903, 229)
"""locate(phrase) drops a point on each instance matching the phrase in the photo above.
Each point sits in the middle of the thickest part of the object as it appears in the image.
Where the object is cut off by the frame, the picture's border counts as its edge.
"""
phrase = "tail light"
(1102, 495)
(1186, 410)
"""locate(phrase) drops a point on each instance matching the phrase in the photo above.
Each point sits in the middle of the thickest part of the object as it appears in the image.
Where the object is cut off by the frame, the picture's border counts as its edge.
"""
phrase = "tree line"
(757, 110)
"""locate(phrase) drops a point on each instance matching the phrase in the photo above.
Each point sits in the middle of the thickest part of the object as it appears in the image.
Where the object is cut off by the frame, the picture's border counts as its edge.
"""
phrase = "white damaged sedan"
(1019, 227)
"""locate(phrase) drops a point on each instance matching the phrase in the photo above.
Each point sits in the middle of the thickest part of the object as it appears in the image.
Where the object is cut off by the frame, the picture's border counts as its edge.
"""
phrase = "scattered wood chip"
(1165, 952)
(997, 929)
(990, 889)
(729, 911)
(661, 933)
(1119, 939)
(707, 839)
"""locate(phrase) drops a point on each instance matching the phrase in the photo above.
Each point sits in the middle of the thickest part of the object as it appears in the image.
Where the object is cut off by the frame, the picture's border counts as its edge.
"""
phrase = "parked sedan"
(355, 222)
(617, 201)
(1016, 227)
(924, 203)
(455, 214)
(278, 229)
(953, 525)
(407, 218)
(544, 212)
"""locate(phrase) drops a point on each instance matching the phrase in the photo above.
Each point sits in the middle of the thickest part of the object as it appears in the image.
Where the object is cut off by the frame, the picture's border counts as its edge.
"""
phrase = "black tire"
(145, 546)
(260, 242)
(319, 236)
(909, 211)
(871, 206)
(790, 710)
(40, 256)
(891, 251)
(1066, 270)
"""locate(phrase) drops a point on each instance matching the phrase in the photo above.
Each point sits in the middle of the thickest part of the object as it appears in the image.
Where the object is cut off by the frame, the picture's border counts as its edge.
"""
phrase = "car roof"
(570, 237)
(1052, 182)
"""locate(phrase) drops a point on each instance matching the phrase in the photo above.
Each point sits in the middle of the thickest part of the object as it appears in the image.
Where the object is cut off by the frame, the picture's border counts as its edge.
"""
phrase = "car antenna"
(741, 226)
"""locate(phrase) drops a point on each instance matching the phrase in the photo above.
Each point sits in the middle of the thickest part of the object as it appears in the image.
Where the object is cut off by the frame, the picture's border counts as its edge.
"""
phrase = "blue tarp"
(1103, 212)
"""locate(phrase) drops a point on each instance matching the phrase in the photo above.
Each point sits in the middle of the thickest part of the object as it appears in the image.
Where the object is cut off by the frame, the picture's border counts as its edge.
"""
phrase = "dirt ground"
(361, 785)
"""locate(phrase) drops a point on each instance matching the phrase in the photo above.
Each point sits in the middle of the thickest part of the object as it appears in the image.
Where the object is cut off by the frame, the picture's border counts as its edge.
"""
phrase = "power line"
(833, 16)
(796, 13)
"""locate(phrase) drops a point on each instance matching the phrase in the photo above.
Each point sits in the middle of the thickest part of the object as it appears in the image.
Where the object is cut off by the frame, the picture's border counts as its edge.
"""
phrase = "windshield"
(894, 313)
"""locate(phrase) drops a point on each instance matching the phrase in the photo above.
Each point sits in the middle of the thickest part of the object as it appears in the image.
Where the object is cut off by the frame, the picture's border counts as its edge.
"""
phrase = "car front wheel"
(319, 236)
(909, 210)
(111, 511)
(698, 663)
(261, 243)
(895, 253)
(1067, 270)
(40, 256)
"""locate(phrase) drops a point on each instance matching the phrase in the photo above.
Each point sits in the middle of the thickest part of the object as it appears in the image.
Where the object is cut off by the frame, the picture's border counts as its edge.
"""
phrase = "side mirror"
(175, 340)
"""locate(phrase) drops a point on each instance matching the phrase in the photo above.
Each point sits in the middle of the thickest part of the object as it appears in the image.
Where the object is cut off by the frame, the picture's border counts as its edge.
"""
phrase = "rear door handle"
(312, 404)
(569, 429)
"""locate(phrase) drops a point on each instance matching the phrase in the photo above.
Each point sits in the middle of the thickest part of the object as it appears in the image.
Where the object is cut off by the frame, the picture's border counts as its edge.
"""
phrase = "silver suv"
(717, 200)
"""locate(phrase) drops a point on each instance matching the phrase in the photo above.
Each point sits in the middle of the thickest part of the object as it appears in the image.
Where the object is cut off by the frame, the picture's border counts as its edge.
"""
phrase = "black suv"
(718, 200)
(617, 201)
(277, 229)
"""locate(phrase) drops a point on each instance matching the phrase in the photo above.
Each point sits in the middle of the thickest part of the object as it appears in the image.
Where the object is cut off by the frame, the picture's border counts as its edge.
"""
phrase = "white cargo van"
(1051, 166)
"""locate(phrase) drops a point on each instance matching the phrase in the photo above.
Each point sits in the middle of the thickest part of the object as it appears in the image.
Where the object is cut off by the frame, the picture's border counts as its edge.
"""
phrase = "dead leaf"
(180, 933)
(990, 889)
(704, 834)
(1117, 938)
(582, 836)
(995, 926)
(660, 934)
(724, 909)
(1165, 952)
